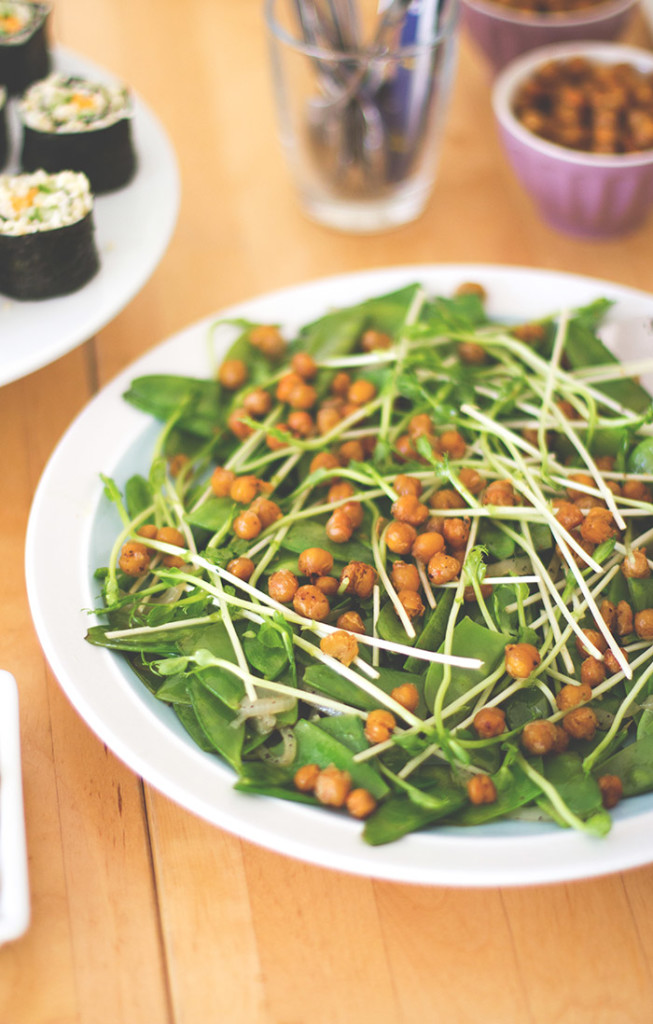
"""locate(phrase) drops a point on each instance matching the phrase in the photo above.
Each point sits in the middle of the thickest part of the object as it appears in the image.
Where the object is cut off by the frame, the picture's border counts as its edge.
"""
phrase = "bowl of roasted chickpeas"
(576, 123)
(504, 29)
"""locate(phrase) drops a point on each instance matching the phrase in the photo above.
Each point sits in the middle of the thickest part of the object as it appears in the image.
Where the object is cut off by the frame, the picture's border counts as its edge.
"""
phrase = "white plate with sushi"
(133, 226)
(145, 734)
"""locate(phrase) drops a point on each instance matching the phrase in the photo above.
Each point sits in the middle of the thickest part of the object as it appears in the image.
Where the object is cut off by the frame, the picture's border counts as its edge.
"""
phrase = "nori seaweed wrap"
(70, 122)
(47, 245)
(4, 133)
(24, 49)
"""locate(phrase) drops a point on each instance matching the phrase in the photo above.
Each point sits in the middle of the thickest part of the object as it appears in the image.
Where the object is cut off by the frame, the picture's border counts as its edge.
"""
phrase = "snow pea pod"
(514, 790)
(316, 746)
(209, 710)
(470, 640)
(399, 815)
(433, 632)
(633, 765)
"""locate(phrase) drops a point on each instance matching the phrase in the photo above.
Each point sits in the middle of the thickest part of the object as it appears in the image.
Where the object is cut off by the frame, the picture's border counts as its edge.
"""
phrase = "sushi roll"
(24, 50)
(47, 244)
(71, 122)
(4, 135)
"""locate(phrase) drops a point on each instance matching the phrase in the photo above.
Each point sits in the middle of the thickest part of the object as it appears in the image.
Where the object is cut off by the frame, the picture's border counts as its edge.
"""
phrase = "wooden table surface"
(142, 913)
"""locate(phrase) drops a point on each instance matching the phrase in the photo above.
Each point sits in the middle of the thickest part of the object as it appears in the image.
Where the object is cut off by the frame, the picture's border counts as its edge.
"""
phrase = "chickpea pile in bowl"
(599, 108)
(576, 122)
(383, 572)
(504, 29)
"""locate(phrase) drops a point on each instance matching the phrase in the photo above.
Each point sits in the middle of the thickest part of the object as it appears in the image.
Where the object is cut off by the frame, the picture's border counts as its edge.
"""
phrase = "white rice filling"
(19, 20)
(42, 202)
(65, 104)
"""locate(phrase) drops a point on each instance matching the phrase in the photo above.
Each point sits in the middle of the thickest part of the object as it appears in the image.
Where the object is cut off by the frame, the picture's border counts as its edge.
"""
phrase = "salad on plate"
(398, 564)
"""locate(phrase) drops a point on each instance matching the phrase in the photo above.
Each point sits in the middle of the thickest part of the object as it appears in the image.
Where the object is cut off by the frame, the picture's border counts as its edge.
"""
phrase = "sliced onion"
(263, 707)
(287, 755)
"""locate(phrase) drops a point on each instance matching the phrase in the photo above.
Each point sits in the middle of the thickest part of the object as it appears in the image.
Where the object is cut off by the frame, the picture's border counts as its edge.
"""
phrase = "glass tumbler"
(361, 126)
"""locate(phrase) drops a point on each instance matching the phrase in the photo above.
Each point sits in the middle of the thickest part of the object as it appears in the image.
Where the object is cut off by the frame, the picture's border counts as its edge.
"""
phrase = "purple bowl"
(503, 33)
(590, 195)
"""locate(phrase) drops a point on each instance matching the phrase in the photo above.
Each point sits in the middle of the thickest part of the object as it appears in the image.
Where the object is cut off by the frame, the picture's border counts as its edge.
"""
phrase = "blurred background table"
(141, 913)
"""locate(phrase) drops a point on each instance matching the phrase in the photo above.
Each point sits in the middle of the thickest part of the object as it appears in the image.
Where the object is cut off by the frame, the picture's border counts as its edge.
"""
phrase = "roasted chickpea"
(372, 341)
(471, 353)
(360, 577)
(409, 509)
(236, 425)
(283, 585)
(585, 480)
(608, 613)
(268, 340)
(405, 450)
(400, 537)
(598, 526)
(276, 443)
(340, 384)
(471, 480)
(489, 722)
(327, 584)
(268, 511)
(481, 789)
(421, 425)
(170, 535)
(592, 671)
(591, 636)
(636, 490)
(351, 451)
(149, 532)
(499, 493)
(360, 803)
(611, 663)
(332, 786)
(244, 489)
(247, 525)
(580, 723)
(233, 374)
(324, 460)
(407, 695)
(311, 602)
(412, 603)
(340, 490)
(306, 777)
(350, 621)
(571, 696)
(561, 740)
(521, 660)
(644, 624)
(339, 527)
(471, 288)
(304, 364)
(404, 484)
(361, 392)
(426, 545)
(453, 444)
(287, 384)
(258, 403)
(404, 576)
(379, 725)
(326, 419)
(442, 569)
(446, 498)
(569, 515)
(134, 558)
(635, 565)
(340, 645)
(315, 562)
(355, 513)
(456, 532)
(612, 790)
(539, 736)
(625, 618)
(300, 423)
(303, 396)
(241, 567)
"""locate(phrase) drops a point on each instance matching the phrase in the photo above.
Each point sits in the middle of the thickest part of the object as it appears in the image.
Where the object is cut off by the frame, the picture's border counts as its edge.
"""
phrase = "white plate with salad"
(133, 226)
(72, 505)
